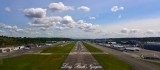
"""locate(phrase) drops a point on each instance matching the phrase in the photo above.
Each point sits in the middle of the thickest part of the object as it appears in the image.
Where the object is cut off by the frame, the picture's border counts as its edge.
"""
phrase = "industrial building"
(152, 46)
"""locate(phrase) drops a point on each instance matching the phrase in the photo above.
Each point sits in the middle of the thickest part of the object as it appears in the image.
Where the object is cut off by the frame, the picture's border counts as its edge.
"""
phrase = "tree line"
(15, 41)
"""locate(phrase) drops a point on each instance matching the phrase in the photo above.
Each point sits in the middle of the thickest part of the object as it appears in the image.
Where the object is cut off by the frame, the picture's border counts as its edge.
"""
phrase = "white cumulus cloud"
(137, 28)
(59, 7)
(125, 30)
(61, 23)
(84, 8)
(116, 8)
(14, 28)
(35, 12)
(67, 20)
(87, 27)
(92, 17)
(56, 22)
(150, 32)
(134, 30)
(7, 9)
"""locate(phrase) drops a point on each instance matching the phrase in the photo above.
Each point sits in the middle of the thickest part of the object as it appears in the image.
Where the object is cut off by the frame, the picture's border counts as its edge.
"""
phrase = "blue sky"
(80, 18)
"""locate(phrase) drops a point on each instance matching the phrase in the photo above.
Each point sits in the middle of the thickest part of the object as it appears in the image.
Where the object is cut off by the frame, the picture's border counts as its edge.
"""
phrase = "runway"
(80, 59)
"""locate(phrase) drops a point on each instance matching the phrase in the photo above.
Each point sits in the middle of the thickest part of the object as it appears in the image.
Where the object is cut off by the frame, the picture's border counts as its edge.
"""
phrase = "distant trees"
(8, 41)
(14, 41)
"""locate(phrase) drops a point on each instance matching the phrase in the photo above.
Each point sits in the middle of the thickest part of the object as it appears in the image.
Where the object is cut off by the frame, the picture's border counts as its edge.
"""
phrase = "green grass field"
(108, 62)
(33, 62)
(59, 49)
(37, 62)
(91, 49)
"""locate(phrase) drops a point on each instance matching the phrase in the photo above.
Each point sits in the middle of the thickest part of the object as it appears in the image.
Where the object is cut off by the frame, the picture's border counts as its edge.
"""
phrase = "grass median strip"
(36, 61)
(59, 49)
(107, 61)
(33, 62)
(91, 49)
(153, 62)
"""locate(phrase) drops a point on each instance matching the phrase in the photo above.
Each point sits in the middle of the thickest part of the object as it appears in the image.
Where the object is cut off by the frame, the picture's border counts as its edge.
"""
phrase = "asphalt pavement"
(80, 59)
